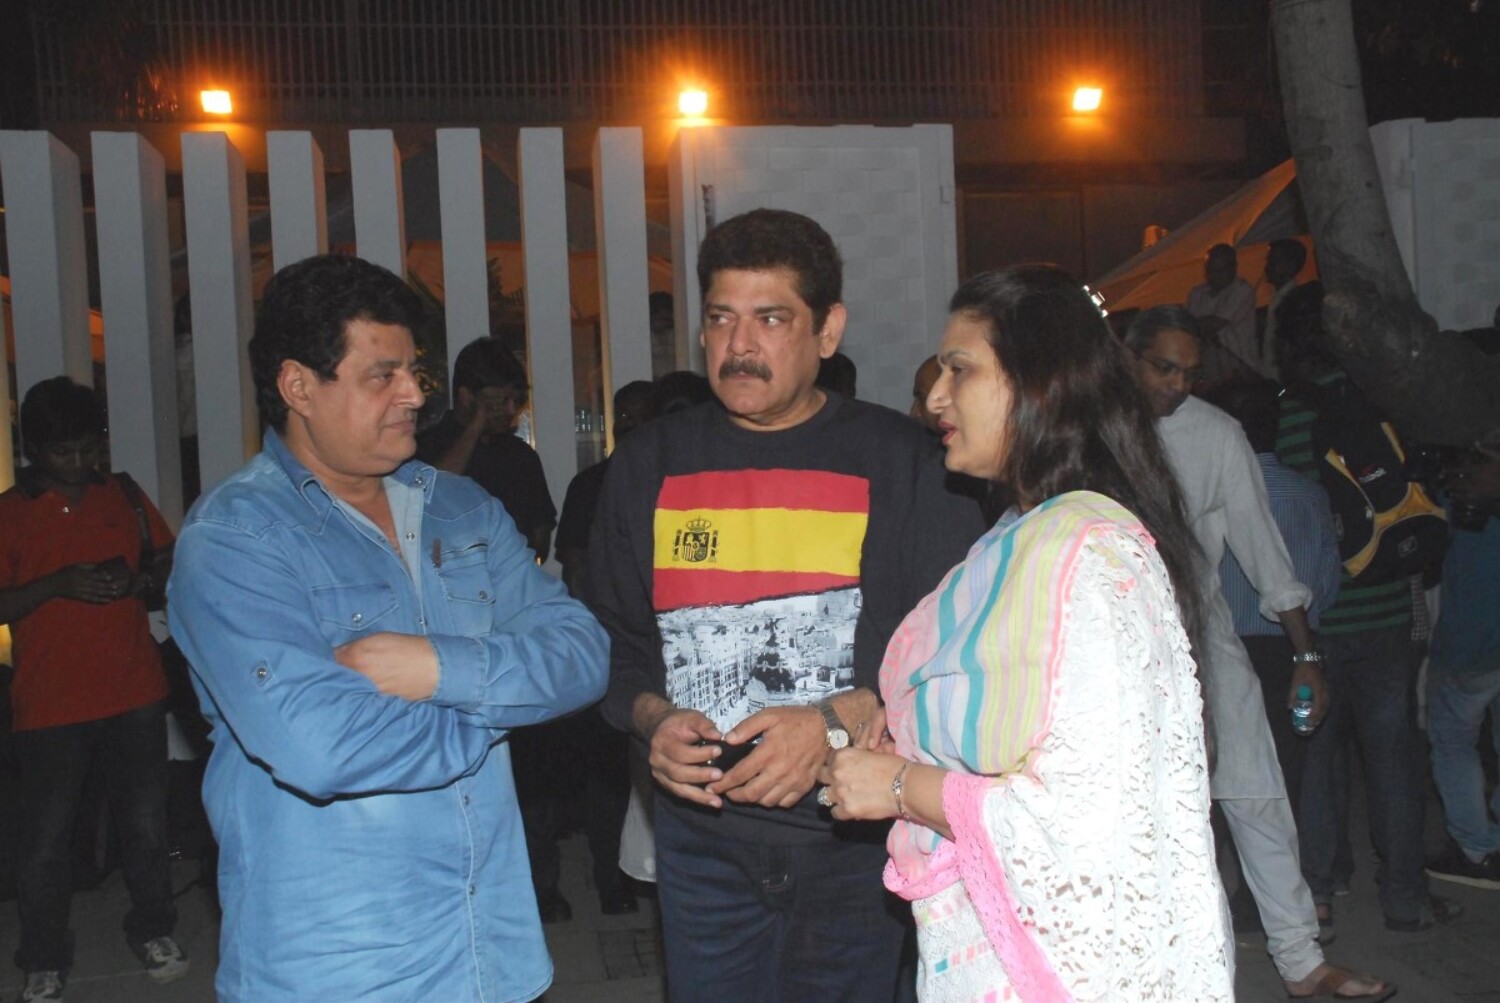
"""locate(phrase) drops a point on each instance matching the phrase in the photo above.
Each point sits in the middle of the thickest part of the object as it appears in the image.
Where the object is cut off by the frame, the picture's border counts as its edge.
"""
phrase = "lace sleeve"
(1100, 850)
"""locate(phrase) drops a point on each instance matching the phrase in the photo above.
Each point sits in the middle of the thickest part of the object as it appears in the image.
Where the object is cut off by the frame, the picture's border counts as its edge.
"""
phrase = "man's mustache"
(745, 367)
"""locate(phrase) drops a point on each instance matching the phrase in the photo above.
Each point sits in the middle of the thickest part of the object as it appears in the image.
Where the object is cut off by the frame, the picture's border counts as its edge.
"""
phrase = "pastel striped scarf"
(968, 681)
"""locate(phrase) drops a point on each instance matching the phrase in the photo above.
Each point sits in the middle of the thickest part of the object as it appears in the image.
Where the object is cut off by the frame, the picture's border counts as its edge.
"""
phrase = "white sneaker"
(163, 959)
(43, 986)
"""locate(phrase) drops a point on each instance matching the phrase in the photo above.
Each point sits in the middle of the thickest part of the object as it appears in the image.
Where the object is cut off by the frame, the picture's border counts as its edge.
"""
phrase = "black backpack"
(1388, 526)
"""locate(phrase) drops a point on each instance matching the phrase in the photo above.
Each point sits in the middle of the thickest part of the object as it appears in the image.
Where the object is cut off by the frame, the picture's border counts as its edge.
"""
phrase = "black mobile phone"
(729, 755)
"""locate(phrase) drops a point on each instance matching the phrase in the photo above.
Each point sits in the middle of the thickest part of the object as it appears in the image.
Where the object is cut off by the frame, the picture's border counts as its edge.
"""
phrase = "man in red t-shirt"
(88, 686)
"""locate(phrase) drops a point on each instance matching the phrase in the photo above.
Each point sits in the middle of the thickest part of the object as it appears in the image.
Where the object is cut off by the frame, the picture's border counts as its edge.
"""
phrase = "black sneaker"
(1454, 865)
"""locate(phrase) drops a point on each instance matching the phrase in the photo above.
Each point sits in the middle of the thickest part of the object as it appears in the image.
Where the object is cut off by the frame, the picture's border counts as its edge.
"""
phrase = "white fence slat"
(299, 201)
(135, 289)
(48, 267)
(624, 286)
(466, 301)
(549, 312)
(379, 216)
(218, 243)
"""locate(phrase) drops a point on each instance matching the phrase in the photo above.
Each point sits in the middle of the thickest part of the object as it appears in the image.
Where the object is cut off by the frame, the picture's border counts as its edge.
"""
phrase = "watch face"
(838, 738)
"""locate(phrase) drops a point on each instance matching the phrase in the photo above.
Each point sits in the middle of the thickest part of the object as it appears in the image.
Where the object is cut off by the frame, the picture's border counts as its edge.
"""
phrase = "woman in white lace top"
(1044, 748)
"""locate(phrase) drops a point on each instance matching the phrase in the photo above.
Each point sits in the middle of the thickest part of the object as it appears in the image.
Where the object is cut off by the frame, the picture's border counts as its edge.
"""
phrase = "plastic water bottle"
(1302, 711)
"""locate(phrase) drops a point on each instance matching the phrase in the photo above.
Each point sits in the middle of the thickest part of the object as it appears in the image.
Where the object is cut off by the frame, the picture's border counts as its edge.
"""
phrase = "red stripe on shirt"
(818, 490)
(674, 588)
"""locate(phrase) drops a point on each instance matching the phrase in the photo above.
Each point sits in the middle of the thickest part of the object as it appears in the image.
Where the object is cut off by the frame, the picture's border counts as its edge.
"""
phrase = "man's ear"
(293, 381)
(463, 401)
(833, 331)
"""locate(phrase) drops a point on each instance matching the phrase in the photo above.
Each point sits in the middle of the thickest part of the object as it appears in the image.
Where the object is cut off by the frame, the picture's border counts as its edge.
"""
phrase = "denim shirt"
(370, 847)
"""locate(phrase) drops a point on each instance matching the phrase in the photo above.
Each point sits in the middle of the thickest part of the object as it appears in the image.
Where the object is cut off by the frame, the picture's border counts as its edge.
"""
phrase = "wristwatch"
(838, 735)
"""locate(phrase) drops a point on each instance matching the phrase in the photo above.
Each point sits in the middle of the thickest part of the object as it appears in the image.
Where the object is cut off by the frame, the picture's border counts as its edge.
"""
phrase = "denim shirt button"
(410, 535)
(261, 672)
(418, 480)
(358, 618)
(471, 890)
(466, 799)
(484, 597)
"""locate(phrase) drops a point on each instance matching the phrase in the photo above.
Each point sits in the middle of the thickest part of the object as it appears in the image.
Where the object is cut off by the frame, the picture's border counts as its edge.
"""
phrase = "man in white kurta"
(1226, 504)
(1225, 307)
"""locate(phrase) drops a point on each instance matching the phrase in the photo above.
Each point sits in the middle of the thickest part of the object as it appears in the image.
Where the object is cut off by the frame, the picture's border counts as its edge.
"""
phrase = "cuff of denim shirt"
(1293, 595)
(462, 663)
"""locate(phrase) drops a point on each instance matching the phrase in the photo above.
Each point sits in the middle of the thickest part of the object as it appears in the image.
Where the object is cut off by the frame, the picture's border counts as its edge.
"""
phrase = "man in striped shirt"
(1371, 663)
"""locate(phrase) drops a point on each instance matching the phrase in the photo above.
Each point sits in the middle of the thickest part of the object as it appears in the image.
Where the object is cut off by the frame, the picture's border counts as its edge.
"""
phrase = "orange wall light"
(692, 103)
(1086, 99)
(216, 102)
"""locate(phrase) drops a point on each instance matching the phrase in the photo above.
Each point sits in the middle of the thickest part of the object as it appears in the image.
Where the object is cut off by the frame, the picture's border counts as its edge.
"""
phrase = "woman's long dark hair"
(1078, 419)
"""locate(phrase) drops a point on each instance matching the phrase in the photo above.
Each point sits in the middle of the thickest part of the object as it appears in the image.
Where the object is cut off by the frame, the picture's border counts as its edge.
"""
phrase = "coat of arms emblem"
(696, 543)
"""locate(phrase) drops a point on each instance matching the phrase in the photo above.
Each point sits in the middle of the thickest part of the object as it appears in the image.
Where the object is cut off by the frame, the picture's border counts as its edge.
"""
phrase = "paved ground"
(616, 959)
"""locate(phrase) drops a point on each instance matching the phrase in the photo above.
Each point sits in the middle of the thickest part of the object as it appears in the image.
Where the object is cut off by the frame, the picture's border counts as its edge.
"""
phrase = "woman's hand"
(859, 784)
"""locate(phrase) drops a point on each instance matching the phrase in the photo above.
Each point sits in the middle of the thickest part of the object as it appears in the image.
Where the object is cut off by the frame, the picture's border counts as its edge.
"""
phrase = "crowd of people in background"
(1025, 658)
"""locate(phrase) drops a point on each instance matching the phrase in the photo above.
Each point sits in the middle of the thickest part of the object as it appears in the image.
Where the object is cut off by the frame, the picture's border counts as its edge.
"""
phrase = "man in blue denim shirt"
(363, 630)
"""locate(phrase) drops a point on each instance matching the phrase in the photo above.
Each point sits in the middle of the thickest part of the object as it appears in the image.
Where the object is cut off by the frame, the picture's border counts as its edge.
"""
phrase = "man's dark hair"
(1294, 251)
(1078, 421)
(659, 301)
(304, 315)
(636, 390)
(766, 239)
(58, 410)
(1223, 250)
(680, 390)
(486, 362)
(1147, 324)
(1255, 405)
(839, 374)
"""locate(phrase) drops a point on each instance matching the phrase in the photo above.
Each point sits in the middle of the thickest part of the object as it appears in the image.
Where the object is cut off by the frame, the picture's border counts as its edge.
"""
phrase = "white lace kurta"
(1100, 837)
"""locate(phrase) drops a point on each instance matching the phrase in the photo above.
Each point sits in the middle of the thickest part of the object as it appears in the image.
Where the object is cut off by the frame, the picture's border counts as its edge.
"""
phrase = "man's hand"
(676, 758)
(400, 665)
(1310, 674)
(783, 768)
(93, 583)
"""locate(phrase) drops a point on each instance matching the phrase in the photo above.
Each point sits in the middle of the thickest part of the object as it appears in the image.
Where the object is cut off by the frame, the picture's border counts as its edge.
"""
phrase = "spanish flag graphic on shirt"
(756, 587)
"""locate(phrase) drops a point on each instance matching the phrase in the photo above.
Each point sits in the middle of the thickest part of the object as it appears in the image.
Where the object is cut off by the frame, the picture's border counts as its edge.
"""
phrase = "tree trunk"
(1435, 387)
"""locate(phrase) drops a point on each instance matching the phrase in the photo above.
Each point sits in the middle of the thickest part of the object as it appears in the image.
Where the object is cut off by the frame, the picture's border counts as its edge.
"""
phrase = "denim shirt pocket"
(465, 574)
(349, 612)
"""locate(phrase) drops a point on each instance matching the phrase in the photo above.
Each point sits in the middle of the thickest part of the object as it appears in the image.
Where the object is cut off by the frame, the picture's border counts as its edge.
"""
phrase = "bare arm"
(1310, 674)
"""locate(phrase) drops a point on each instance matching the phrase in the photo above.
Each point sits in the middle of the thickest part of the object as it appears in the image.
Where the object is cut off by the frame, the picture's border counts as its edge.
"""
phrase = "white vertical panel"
(299, 209)
(466, 299)
(549, 312)
(937, 190)
(48, 270)
(135, 288)
(685, 201)
(379, 216)
(1392, 142)
(624, 288)
(218, 244)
